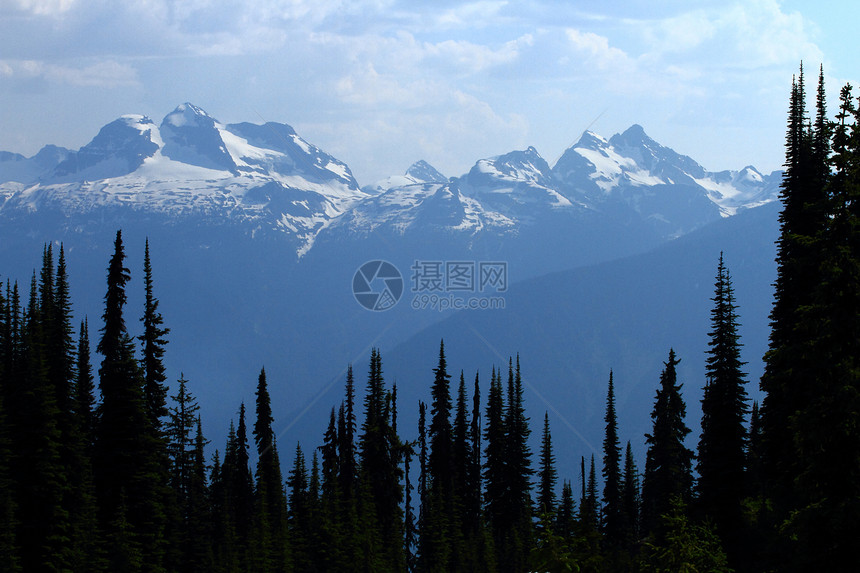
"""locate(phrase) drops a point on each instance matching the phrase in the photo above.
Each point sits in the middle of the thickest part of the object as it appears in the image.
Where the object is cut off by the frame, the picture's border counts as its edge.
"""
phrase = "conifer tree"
(441, 529)
(422, 470)
(788, 368)
(547, 475)
(461, 449)
(825, 427)
(270, 523)
(9, 557)
(495, 468)
(299, 512)
(127, 462)
(721, 486)
(346, 440)
(612, 512)
(84, 388)
(44, 525)
(380, 451)
(565, 518)
(153, 342)
(519, 472)
(668, 472)
(198, 553)
(630, 501)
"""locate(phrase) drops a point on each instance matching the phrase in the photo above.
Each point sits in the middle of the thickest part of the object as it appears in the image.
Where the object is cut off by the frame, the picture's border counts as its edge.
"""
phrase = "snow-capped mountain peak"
(423, 171)
(192, 166)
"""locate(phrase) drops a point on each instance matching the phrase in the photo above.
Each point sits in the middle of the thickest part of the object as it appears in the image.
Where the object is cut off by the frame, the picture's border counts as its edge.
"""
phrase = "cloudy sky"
(383, 83)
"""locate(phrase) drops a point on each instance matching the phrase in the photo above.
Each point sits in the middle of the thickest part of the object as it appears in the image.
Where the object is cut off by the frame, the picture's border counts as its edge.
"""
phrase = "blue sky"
(383, 83)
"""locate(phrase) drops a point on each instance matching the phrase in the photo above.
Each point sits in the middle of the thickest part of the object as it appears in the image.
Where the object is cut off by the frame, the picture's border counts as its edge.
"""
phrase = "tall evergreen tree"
(346, 440)
(825, 427)
(85, 402)
(380, 451)
(630, 501)
(127, 463)
(788, 368)
(612, 509)
(547, 475)
(38, 469)
(153, 342)
(565, 518)
(722, 444)
(270, 524)
(441, 528)
(519, 470)
(668, 472)
(495, 463)
(299, 512)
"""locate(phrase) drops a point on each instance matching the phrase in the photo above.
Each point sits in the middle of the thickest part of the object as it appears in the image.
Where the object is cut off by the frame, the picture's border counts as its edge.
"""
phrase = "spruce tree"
(612, 511)
(299, 513)
(565, 518)
(269, 547)
(668, 471)
(85, 402)
(127, 462)
(630, 501)
(788, 366)
(519, 472)
(346, 440)
(44, 525)
(721, 486)
(495, 466)
(381, 473)
(9, 557)
(547, 475)
(825, 429)
(441, 529)
(153, 342)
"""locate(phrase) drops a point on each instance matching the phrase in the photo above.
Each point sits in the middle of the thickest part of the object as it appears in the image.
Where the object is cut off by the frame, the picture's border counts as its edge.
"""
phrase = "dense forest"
(101, 470)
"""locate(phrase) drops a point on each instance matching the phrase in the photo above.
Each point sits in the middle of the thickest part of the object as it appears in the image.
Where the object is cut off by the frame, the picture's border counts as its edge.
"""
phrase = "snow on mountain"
(631, 167)
(192, 166)
(418, 173)
(268, 179)
(16, 167)
(497, 194)
(518, 178)
(119, 149)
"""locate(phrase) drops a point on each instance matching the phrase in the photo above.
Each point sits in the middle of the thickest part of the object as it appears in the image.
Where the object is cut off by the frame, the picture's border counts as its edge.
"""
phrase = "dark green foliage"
(441, 532)
(84, 389)
(721, 486)
(612, 511)
(381, 473)
(128, 460)
(547, 475)
(684, 546)
(809, 416)
(153, 342)
(630, 502)
(668, 471)
(41, 477)
(268, 547)
(565, 516)
(9, 558)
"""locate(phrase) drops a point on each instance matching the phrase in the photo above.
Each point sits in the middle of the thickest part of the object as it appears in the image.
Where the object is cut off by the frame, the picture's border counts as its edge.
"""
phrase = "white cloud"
(105, 74)
(595, 50)
(37, 7)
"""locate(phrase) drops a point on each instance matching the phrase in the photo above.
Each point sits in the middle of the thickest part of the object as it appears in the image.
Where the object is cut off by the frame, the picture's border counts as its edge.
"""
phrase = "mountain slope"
(192, 169)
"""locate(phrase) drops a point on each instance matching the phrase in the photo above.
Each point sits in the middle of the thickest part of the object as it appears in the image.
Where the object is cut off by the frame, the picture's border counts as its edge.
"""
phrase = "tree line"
(103, 471)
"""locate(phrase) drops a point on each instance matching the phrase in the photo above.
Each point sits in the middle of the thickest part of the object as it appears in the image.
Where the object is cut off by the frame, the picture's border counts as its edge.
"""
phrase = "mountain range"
(256, 235)
(268, 179)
